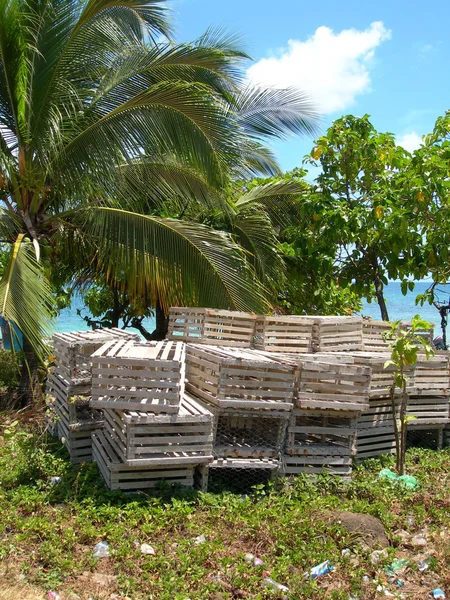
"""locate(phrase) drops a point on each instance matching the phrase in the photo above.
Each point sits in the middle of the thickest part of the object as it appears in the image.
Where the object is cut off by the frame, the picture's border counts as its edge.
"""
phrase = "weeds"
(49, 531)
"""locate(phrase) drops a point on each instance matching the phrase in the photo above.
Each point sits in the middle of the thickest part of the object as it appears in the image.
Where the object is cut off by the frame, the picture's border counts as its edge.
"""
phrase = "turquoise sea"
(399, 307)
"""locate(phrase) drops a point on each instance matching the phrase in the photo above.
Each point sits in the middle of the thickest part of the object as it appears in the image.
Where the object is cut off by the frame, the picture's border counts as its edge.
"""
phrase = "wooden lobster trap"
(238, 475)
(73, 351)
(133, 479)
(382, 377)
(248, 433)
(284, 333)
(432, 376)
(428, 410)
(211, 326)
(330, 385)
(321, 432)
(341, 334)
(72, 404)
(239, 378)
(142, 438)
(144, 376)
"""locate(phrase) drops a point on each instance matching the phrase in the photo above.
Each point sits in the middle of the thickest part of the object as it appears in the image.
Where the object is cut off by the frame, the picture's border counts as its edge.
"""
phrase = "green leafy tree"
(306, 274)
(99, 123)
(405, 344)
(430, 182)
(361, 205)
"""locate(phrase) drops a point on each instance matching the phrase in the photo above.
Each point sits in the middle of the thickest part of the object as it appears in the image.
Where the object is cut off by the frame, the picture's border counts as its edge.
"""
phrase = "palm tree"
(101, 113)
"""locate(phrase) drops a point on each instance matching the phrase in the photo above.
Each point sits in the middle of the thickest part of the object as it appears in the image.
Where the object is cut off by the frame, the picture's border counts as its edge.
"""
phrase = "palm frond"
(169, 118)
(275, 113)
(254, 231)
(25, 296)
(255, 160)
(150, 182)
(76, 46)
(277, 198)
(170, 261)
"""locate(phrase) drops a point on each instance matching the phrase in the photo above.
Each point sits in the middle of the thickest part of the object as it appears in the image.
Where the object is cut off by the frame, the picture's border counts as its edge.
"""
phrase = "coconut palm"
(101, 114)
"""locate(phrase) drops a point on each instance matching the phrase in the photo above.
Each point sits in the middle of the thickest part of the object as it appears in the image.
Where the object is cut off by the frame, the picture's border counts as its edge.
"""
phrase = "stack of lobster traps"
(69, 387)
(233, 399)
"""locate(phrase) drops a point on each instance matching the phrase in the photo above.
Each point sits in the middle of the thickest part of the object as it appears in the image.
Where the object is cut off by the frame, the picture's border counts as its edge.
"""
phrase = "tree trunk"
(162, 324)
(396, 429)
(29, 387)
(379, 290)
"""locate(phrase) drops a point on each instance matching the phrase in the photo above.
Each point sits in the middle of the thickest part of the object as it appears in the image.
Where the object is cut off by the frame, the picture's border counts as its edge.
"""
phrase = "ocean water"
(69, 319)
(399, 307)
(404, 307)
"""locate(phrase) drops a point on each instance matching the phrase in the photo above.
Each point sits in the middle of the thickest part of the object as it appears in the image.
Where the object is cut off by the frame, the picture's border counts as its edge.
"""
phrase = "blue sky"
(389, 59)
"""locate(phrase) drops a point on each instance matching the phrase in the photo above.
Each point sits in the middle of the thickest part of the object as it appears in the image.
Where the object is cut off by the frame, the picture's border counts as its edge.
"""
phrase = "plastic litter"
(54, 480)
(270, 583)
(54, 596)
(377, 556)
(200, 540)
(396, 566)
(346, 552)
(438, 593)
(319, 570)
(254, 560)
(423, 565)
(386, 592)
(101, 550)
(407, 481)
(147, 549)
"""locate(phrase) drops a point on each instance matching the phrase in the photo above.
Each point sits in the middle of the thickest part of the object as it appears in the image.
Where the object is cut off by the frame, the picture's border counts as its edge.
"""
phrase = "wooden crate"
(284, 333)
(119, 476)
(375, 441)
(239, 378)
(330, 385)
(321, 433)
(428, 410)
(72, 403)
(373, 331)
(248, 434)
(144, 376)
(151, 439)
(73, 351)
(211, 326)
(382, 378)
(341, 334)
(315, 464)
(432, 376)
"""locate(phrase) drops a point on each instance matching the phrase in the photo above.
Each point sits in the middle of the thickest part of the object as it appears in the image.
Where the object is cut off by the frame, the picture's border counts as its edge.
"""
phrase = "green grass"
(48, 532)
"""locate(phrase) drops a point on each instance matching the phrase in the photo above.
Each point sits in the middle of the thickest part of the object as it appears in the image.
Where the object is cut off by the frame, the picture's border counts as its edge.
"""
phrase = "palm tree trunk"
(29, 387)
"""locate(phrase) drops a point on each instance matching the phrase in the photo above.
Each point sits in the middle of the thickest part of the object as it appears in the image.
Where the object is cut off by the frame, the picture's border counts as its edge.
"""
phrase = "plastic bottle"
(101, 550)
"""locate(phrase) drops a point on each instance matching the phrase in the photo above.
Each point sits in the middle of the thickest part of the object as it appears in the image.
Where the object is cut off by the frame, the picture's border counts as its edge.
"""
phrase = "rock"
(366, 529)
(403, 535)
(419, 541)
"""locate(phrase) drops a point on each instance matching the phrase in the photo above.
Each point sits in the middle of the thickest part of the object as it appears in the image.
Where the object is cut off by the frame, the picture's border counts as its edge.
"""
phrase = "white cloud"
(333, 68)
(409, 141)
